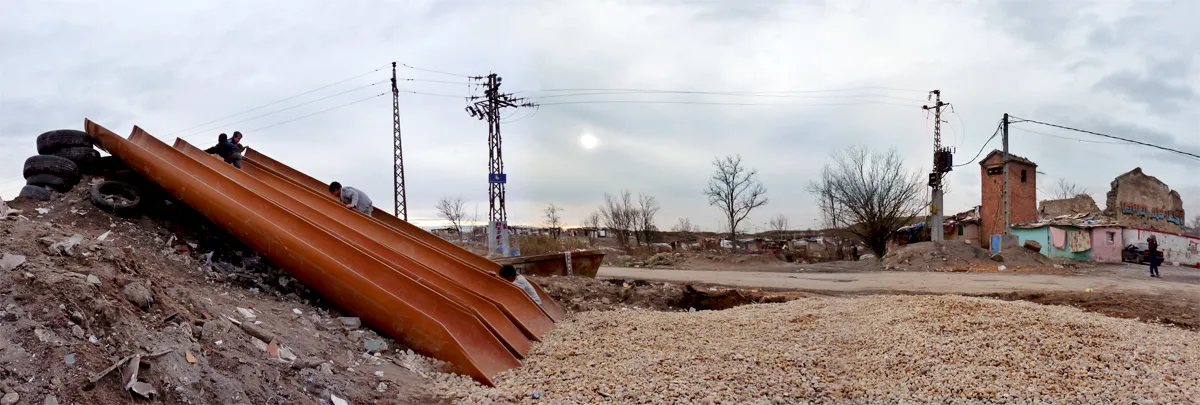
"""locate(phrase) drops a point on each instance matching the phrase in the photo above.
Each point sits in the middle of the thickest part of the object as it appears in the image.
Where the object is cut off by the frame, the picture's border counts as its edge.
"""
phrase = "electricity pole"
(1004, 139)
(398, 150)
(942, 163)
(489, 109)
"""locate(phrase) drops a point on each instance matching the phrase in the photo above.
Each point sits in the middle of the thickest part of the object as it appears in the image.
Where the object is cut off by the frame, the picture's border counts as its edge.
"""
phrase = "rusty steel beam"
(354, 227)
(392, 302)
(335, 220)
(433, 242)
(504, 295)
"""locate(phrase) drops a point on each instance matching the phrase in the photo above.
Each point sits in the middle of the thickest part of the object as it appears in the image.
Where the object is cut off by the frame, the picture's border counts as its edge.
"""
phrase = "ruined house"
(1141, 201)
(1080, 204)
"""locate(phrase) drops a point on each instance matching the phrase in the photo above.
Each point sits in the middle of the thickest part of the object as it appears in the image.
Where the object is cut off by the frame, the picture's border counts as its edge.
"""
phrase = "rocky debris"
(868, 256)
(50, 400)
(375, 346)
(62, 247)
(11, 262)
(938, 349)
(1033, 245)
(954, 255)
(138, 295)
(350, 322)
(10, 399)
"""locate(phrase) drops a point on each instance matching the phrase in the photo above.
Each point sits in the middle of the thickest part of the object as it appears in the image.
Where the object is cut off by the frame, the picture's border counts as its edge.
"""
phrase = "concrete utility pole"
(489, 109)
(942, 163)
(398, 151)
(1004, 139)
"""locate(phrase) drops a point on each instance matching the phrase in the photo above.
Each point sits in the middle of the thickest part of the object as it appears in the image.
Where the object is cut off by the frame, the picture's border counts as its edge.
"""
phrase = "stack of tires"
(63, 156)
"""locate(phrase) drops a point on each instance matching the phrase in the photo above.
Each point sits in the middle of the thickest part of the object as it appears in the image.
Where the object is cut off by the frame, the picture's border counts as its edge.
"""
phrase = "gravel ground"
(877, 349)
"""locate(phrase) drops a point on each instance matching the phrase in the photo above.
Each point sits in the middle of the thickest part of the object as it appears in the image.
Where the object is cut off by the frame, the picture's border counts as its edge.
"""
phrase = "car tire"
(35, 192)
(85, 157)
(102, 193)
(49, 181)
(53, 141)
(50, 164)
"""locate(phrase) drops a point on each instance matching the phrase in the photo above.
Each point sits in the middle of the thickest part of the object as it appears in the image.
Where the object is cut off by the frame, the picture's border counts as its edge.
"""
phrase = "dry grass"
(543, 244)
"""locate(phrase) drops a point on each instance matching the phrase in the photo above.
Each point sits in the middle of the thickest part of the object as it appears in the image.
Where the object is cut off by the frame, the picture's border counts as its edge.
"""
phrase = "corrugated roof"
(1082, 220)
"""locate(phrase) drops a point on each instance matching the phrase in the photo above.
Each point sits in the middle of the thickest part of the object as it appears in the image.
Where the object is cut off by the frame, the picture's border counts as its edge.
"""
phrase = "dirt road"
(1109, 278)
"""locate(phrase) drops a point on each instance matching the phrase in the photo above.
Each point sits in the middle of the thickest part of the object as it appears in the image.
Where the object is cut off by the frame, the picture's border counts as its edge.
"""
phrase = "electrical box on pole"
(943, 162)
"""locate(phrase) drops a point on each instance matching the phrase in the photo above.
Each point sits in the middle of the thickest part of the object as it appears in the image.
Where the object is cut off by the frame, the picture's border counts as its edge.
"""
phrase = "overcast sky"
(1119, 67)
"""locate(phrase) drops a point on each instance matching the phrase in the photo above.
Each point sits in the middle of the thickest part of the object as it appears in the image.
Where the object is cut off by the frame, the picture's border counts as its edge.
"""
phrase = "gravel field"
(877, 349)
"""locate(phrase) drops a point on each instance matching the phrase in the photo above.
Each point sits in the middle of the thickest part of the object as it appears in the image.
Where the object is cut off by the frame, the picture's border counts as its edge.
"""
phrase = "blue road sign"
(497, 178)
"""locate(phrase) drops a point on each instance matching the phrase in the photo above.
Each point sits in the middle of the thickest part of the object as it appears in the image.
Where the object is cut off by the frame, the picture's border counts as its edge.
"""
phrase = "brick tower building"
(1022, 188)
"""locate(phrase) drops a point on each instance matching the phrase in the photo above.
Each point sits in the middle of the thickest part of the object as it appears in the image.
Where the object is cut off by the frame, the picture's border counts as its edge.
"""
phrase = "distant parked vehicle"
(1137, 253)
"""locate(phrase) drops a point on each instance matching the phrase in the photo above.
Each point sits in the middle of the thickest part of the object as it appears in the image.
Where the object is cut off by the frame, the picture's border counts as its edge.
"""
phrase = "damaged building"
(1141, 201)
(1137, 206)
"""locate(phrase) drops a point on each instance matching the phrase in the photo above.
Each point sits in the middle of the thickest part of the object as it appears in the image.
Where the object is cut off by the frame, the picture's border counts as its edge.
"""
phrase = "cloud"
(828, 69)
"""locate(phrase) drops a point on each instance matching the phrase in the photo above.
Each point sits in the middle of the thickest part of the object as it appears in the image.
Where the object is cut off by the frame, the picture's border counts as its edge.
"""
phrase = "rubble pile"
(98, 309)
(956, 256)
(938, 349)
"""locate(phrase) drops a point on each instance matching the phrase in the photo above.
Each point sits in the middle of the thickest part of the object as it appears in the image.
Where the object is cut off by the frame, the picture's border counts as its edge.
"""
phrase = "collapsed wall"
(1138, 200)
(1080, 204)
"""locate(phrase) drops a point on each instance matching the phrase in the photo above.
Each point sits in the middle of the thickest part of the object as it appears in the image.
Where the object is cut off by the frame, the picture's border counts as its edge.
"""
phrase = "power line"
(731, 93)
(431, 70)
(288, 108)
(534, 112)
(1114, 137)
(318, 112)
(1067, 137)
(432, 81)
(277, 101)
(981, 148)
(724, 92)
(724, 103)
(439, 95)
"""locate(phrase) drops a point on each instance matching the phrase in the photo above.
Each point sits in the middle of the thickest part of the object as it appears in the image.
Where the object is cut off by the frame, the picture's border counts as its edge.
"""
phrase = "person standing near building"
(1152, 247)
(352, 198)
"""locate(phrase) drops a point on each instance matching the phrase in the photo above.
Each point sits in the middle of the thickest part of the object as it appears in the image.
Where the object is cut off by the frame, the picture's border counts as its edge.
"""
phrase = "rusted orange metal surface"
(584, 263)
(436, 244)
(337, 221)
(389, 300)
(507, 297)
(489, 300)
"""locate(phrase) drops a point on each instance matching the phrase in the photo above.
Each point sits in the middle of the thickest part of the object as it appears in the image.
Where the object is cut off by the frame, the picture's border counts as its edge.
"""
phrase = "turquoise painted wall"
(1042, 236)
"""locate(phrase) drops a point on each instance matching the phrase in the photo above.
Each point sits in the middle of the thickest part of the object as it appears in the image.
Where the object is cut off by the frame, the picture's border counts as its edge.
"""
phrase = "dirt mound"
(95, 288)
(581, 294)
(959, 256)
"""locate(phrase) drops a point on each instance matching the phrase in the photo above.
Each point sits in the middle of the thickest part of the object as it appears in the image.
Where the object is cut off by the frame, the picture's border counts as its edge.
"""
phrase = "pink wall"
(1102, 249)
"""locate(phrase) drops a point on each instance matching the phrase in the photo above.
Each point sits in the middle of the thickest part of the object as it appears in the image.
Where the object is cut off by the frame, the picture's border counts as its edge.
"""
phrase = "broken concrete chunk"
(50, 400)
(10, 399)
(10, 262)
(350, 322)
(338, 401)
(247, 313)
(144, 390)
(93, 280)
(103, 236)
(1033, 245)
(286, 354)
(139, 295)
(63, 247)
(376, 346)
(996, 256)
(78, 332)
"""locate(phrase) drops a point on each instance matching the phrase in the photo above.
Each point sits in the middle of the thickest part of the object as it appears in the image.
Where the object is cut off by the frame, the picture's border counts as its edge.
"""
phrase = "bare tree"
(451, 209)
(778, 224)
(686, 230)
(553, 219)
(644, 218)
(870, 194)
(619, 215)
(592, 221)
(1068, 189)
(1195, 226)
(735, 190)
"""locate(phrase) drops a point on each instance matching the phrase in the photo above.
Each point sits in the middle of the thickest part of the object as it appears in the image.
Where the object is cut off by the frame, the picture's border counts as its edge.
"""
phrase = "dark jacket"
(223, 149)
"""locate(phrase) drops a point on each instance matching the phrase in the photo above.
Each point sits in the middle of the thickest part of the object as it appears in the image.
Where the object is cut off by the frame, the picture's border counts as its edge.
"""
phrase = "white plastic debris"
(247, 313)
(10, 262)
(1001, 267)
(104, 236)
(337, 401)
(297, 311)
(43, 211)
